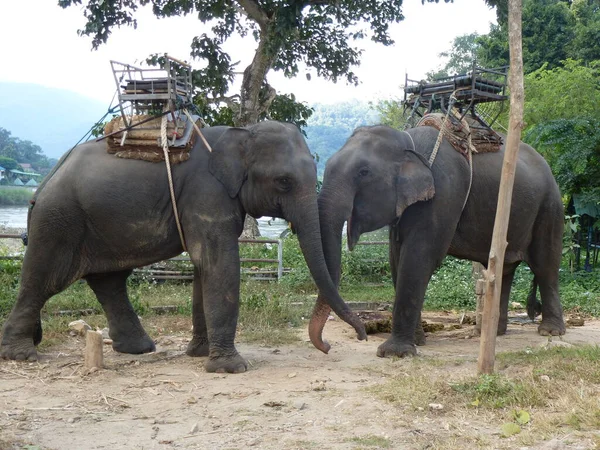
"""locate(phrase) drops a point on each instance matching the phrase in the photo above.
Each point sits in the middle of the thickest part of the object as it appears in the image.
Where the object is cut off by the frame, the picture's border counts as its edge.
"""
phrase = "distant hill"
(54, 119)
(331, 125)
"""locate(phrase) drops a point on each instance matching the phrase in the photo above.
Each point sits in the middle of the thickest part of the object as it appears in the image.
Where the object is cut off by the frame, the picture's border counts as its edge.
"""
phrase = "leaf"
(475, 402)
(522, 417)
(510, 429)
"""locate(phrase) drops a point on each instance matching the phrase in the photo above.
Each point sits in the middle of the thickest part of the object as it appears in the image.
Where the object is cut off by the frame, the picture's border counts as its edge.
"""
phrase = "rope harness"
(165, 146)
(438, 142)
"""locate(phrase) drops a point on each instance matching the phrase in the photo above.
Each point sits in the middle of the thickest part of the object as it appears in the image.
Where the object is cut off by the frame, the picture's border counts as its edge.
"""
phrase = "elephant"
(382, 176)
(98, 217)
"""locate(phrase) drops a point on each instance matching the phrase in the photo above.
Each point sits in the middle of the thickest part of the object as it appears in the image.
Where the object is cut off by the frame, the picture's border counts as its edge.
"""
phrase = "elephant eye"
(363, 172)
(284, 183)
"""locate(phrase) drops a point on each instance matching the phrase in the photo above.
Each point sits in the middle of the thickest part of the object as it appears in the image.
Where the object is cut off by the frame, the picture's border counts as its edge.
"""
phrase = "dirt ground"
(293, 397)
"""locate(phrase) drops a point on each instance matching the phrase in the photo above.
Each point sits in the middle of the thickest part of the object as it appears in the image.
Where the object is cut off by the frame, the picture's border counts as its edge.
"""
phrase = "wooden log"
(138, 142)
(94, 357)
(493, 274)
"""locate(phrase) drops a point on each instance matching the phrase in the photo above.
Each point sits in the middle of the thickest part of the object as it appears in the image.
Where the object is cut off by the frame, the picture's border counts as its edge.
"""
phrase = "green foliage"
(285, 108)
(459, 59)
(13, 149)
(569, 91)
(392, 113)
(9, 284)
(572, 148)
(547, 26)
(319, 35)
(365, 264)
(451, 286)
(498, 391)
(15, 196)
(8, 163)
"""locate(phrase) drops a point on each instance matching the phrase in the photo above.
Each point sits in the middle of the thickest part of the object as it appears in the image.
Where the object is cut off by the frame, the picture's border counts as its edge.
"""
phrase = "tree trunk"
(252, 105)
(493, 274)
(251, 230)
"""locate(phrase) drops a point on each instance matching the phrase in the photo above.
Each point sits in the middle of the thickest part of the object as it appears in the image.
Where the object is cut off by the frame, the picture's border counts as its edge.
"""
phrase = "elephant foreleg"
(125, 329)
(394, 253)
(508, 274)
(219, 273)
(198, 346)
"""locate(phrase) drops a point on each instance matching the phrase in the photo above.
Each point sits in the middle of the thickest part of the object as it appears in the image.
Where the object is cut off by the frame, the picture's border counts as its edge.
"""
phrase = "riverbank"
(13, 196)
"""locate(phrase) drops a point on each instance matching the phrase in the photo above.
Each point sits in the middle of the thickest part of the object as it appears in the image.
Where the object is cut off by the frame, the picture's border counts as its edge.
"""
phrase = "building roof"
(30, 174)
(18, 182)
(585, 207)
(2, 168)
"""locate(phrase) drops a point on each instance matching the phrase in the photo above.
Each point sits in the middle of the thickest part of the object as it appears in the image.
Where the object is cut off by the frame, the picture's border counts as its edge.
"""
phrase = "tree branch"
(254, 11)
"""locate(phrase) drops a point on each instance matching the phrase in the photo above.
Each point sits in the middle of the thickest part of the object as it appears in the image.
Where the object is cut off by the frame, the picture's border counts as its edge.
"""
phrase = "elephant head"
(368, 183)
(269, 167)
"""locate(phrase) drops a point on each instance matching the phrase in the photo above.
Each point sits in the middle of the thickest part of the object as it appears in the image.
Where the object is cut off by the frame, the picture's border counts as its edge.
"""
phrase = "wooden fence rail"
(169, 274)
(182, 275)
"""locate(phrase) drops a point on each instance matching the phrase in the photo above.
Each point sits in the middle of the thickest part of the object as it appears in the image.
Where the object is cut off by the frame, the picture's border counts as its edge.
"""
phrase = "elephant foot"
(552, 328)
(232, 363)
(502, 327)
(391, 348)
(420, 338)
(134, 346)
(198, 346)
(21, 350)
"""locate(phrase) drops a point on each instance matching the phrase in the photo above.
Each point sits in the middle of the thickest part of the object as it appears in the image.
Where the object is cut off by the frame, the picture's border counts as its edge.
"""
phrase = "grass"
(547, 393)
(271, 312)
(369, 441)
(15, 196)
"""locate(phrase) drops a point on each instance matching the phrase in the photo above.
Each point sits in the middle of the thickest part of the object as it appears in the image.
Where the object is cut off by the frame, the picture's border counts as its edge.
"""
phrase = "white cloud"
(40, 45)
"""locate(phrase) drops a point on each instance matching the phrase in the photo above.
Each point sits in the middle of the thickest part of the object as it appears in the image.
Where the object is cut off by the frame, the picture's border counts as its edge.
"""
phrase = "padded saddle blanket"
(483, 139)
(144, 142)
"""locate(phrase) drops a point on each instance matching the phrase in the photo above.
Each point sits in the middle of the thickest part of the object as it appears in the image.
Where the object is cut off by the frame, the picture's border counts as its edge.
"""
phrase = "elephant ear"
(414, 182)
(227, 161)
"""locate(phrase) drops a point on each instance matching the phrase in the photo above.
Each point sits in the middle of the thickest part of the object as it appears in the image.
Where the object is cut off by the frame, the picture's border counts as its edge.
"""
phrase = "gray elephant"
(382, 176)
(98, 217)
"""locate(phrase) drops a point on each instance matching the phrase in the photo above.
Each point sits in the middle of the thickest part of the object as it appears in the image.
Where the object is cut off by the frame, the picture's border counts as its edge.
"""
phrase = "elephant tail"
(534, 306)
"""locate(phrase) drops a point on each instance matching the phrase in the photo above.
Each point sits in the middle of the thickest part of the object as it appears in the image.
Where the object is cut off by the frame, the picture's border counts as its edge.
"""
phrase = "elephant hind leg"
(545, 253)
(125, 329)
(47, 270)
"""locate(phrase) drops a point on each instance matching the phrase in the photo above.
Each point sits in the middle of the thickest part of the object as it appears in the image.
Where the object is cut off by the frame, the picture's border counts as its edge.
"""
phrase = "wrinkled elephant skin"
(97, 217)
(382, 176)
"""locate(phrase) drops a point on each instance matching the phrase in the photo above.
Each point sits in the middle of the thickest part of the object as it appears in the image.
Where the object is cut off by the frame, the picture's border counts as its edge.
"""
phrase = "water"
(13, 216)
(16, 217)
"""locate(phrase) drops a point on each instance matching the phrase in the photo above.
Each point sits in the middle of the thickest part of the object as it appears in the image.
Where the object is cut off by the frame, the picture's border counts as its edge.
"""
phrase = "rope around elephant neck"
(469, 142)
(438, 142)
(165, 145)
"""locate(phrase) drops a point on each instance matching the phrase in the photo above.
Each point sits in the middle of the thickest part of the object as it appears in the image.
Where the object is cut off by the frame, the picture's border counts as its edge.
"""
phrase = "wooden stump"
(93, 350)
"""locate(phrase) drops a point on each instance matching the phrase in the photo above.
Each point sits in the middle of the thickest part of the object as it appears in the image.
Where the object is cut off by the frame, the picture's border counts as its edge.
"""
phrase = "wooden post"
(93, 350)
(477, 275)
(493, 274)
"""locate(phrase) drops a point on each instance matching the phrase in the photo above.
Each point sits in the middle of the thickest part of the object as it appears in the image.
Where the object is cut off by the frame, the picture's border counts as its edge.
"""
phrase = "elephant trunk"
(309, 236)
(333, 210)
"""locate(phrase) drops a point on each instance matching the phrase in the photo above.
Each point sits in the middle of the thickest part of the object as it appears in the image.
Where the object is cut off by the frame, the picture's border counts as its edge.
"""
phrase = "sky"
(39, 44)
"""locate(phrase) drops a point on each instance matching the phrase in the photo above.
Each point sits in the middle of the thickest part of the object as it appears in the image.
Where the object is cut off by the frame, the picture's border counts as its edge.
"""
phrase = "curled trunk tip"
(317, 323)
